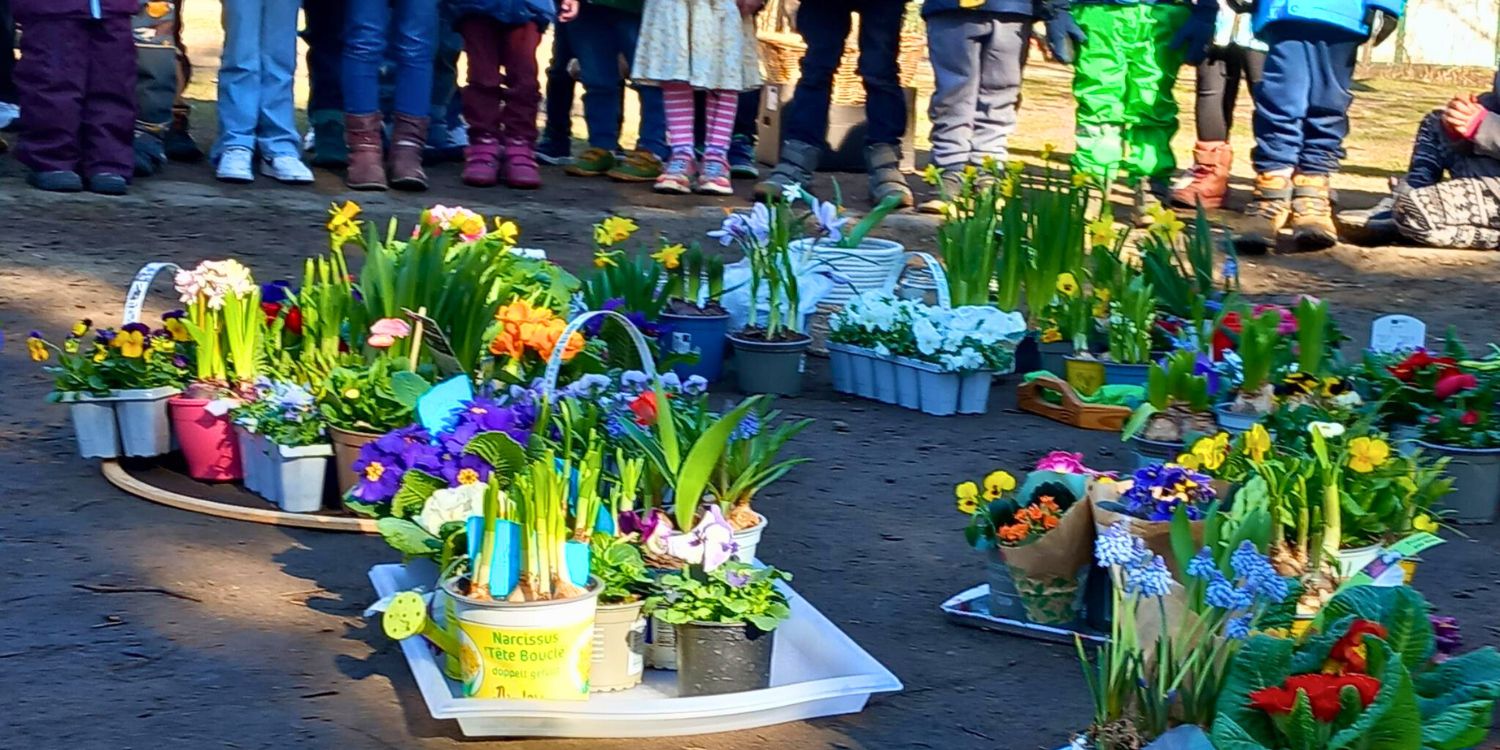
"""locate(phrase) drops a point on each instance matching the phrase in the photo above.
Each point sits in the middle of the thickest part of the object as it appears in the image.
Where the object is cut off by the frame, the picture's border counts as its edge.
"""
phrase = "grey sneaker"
(884, 163)
(798, 162)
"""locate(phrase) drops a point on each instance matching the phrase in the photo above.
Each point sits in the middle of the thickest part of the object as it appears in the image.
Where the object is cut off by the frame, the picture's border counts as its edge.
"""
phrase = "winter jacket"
(1348, 15)
(1015, 7)
(27, 9)
(540, 12)
(1487, 137)
(629, 6)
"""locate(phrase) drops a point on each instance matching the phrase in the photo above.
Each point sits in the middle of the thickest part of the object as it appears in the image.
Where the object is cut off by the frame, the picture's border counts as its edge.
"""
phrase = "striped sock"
(722, 106)
(678, 99)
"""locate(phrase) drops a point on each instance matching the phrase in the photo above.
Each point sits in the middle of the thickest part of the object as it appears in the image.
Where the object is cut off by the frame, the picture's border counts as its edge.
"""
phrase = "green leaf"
(416, 487)
(499, 450)
(1261, 662)
(1392, 721)
(1138, 419)
(1400, 609)
(408, 538)
(693, 475)
(1228, 735)
(407, 387)
(1462, 726)
(1467, 677)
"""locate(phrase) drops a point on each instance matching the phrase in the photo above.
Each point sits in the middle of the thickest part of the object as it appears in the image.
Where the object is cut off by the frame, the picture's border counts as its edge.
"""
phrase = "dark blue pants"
(7, 54)
(599, 36)
(824, 25)
(323, 30)
(1302, 102)
(408, 29)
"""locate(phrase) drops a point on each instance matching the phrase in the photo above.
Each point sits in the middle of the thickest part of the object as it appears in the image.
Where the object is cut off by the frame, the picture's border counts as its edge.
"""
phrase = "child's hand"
(749, 8)
(568, 11)
(1463, 115)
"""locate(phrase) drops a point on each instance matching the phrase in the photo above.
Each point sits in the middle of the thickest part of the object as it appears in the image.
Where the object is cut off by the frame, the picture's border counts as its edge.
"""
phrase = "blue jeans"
(1302, 101)
(410, 29)
(324, 33)
(599, 36)
(824, 25)
(256, 75)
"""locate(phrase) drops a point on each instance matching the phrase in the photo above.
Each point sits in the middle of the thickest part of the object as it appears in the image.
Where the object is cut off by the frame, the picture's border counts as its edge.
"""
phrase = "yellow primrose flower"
(37, 349)
(997, 484)
(604, 259)
(968, 497)
(1257, 443)
(1367, 453)
(1051, 335)
(1102, 232)
(1189, 461)
(1212, 451)
(1067, 285)
(506, 232)
(1424, 522)
(932, 175)
(670, 256)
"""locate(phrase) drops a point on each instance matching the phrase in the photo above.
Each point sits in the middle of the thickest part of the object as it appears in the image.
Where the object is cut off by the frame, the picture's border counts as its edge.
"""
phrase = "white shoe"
(287, 169)
(9, 113)
(235, 165)
(309, 140)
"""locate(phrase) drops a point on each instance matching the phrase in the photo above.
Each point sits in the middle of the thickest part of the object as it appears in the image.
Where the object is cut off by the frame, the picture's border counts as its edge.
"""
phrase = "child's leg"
(1001, 59)
(51, 77)
(1099, 87)
(1327, 123)
(366, 24)
(954, 46)
(240, 75)
(1456, 213)
(593, 35)
(560, 87)
(719, 123)
(677, 100)
(276, 130)
(523, 96)
(1431, 152)
(1281, 103)
(482, 94)
(108, 120)
(1151, 110)
(1213, 108)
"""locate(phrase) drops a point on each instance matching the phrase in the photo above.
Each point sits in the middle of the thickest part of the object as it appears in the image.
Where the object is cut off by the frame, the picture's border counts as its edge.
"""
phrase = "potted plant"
(969, 240)
(226, 324)
(1066, 324)
(1042, 226)
(1179, 392)
(117, 388)
(361, 403)
(694, 322)
(1261, 347)
(619, 628)
(1462, 427)
(749, 464)
(1151, 501)
(1132, 317)
(866, 262)
(769, 357)
(725, 614)
(292, 438)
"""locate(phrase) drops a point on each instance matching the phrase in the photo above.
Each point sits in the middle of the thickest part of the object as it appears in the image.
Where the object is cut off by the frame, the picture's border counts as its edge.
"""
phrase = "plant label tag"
(1397, 333)
(135, 298)
(436, 407)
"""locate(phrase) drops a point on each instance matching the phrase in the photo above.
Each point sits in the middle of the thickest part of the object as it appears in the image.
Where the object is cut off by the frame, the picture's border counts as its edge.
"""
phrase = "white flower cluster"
(973, 337)
(214, 280)
(452, 505)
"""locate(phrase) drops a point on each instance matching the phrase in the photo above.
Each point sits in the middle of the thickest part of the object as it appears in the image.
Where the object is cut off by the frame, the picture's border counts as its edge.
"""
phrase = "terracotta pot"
(346, 445)
(208, 441)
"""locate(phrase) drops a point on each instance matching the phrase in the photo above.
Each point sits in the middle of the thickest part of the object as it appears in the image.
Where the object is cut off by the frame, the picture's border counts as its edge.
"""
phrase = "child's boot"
(178, 142)
(1268, 211)
(1208, 180)
(677, 176)
(519, 168)
(408, 138)
(105, 183)
(798, 162)
(366, 154)
(482, 164)
(886, 180)
(60, 181)
(1312, 213)
(329, 146)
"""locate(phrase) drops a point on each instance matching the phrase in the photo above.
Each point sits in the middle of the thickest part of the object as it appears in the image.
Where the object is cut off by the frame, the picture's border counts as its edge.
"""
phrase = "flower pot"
(862, 372)
(1405, 438)
(940, 390)
(661, 644)
(1475, 497)
(885, 380)
(716, 658)
(346, 445)
(908, 383)
(298, 475)
(841, 367)
(870, 266)
(773, 367)
(1053, 357)
(145, 426)
(1004, 600)
(696, 334)
(94, 427)
(974, 392)
(1084, 374)
(1120, 373)
(208, 443)
(1148, 452)
(1351, 561)
(747, 540)
(526, 650)
(619, 659)
(253, 461)
(1234, 422)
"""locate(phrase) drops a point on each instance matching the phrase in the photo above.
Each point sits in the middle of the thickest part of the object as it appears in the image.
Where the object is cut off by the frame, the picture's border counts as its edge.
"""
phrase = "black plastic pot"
(1028, 354)
(773, 367)
(715, 658)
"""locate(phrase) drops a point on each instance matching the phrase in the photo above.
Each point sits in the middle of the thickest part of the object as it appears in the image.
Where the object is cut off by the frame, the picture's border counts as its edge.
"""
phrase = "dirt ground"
(130, 625)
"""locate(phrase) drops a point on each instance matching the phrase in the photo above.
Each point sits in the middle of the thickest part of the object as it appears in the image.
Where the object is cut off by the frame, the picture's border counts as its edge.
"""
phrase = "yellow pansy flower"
(997, 484)
(70, 346)
(968, 497)
(1367, 453)
(1424, 522)
(1257, 443)
(81, 327)
(1067, 285)
(130, 343)
(669, 256)
(1212, 451)
(37, 348)
(1189, 461)
(100, 354)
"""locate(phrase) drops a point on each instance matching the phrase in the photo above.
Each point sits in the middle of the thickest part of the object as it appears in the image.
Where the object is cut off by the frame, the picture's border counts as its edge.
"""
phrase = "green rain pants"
(1123, 82)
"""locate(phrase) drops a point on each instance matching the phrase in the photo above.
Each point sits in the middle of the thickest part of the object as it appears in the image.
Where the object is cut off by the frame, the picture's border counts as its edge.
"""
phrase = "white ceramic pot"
(748, 540)
(145, 424)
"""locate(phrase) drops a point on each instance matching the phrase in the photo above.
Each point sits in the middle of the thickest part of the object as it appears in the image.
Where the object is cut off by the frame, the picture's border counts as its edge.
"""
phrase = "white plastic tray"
(816, 671)
(971, 608)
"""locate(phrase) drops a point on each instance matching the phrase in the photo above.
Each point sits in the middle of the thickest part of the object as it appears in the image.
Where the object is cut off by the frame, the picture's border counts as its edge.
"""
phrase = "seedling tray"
(971, 608)
(816, 670)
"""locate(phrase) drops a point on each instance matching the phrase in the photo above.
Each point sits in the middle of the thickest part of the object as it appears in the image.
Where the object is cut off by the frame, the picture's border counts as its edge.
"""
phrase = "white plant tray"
(816, 670)
(971, 608)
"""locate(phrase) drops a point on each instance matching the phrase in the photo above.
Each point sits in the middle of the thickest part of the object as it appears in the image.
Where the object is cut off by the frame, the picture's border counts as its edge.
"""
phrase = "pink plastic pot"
(208, 442)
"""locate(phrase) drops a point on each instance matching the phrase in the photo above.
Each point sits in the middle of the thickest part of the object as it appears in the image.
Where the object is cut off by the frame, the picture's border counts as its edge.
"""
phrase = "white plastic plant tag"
(1397, 333)
(135, 298)
(529, 253)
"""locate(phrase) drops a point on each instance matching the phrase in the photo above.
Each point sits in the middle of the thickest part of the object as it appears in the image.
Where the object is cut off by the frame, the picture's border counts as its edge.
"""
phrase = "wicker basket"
(782, 53)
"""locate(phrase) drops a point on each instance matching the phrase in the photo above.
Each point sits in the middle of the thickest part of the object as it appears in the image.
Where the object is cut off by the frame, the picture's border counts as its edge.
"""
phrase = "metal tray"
(971, 608)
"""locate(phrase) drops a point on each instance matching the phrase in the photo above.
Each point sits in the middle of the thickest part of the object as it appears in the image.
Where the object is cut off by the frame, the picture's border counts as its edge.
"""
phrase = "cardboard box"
(846, 131)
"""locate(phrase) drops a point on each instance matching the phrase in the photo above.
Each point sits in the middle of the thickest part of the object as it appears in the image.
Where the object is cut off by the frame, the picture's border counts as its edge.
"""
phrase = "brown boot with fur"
(1208, 180)
(408, 138)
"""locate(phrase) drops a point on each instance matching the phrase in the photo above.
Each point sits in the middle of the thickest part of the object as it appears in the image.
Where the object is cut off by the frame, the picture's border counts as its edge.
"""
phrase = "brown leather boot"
(1266, 214)
(366, 155)
(1208, 180)
(1312, 213)
(408, 137)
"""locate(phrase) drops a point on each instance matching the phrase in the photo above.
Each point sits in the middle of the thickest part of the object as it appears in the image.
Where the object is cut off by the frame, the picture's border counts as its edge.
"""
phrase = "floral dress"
(705, 43)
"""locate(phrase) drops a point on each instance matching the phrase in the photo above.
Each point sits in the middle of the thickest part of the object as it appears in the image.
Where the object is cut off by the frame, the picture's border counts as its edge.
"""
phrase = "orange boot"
(1208, 180)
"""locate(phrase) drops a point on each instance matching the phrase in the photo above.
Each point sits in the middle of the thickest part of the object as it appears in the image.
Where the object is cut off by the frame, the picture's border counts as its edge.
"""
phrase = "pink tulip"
(393, 327)
(381, 341)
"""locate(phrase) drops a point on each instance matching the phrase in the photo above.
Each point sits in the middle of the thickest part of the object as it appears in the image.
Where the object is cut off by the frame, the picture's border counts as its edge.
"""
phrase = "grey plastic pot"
(298, 475)
(1004, 600)
(1475, 497)
(145, 424)
(94, 427)
(841, 366)
(974, 392)
(1054, 356)
(253, 461)
(773, 367)
(908, 383)
(1233, 422)
(716, 658)
(862, 373)
(1148, 452)
(885, 380)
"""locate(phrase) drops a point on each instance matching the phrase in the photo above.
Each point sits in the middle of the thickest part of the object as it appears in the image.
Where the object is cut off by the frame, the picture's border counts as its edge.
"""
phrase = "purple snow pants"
(76, 80)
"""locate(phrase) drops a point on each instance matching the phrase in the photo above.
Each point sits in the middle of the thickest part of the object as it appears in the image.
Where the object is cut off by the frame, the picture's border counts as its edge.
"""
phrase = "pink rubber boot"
(519, 167)
(482, 164)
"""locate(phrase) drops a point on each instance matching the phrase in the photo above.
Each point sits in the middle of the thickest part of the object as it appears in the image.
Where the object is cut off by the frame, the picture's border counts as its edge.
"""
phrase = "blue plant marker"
(437, 407)
(473, 535)
(505, 570)
(606, 524)
(578, 558)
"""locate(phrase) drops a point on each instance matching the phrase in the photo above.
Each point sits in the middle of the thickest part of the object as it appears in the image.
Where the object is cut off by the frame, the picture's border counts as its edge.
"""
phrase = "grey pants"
(977, 60)
(1461, 211)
